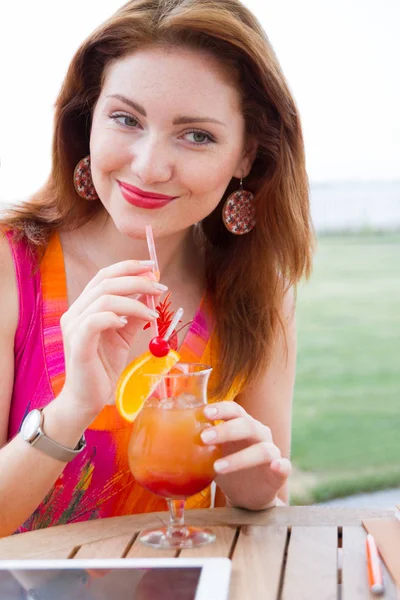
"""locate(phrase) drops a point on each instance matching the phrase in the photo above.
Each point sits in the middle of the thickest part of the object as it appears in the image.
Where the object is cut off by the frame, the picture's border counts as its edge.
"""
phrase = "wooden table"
(286, 553)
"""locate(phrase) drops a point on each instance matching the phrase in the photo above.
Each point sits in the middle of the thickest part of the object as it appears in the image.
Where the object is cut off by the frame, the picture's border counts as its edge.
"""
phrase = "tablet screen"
(155, 583)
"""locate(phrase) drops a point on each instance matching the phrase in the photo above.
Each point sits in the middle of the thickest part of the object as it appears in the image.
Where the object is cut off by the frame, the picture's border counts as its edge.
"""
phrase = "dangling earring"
(239, 212)
(83, 181)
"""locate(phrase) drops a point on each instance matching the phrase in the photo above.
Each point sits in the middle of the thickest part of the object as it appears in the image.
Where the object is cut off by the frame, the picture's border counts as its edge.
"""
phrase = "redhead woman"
(174, 114)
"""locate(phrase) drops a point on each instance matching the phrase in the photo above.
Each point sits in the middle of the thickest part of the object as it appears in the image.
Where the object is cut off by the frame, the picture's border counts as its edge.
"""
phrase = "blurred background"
(341, 60)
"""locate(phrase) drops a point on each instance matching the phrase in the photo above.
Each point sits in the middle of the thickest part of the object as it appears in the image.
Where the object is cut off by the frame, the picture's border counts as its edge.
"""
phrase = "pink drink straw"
(153, 256)
(151, 304)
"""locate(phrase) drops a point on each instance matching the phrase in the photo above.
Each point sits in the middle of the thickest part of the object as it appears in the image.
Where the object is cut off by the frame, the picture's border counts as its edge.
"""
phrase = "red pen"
(375, 577)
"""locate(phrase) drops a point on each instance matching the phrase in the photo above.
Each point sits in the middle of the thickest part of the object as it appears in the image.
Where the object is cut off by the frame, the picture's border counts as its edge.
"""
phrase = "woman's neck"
(98, 243)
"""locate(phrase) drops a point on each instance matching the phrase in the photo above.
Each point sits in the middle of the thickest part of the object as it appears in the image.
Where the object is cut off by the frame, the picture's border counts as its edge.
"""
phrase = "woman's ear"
(247, 160)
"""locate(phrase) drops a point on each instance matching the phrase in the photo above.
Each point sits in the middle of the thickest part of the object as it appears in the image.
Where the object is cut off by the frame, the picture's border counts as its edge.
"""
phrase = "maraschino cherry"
(159, 347)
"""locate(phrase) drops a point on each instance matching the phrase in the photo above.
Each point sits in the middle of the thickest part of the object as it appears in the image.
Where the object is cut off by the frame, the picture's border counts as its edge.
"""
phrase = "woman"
(173, 114)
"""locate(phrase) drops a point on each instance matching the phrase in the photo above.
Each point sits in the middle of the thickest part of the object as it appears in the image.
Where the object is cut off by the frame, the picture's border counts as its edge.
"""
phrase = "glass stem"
(176, 525)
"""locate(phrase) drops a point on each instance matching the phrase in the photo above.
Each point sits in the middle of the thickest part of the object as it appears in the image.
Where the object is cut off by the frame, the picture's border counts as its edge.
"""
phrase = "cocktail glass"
(167, 455)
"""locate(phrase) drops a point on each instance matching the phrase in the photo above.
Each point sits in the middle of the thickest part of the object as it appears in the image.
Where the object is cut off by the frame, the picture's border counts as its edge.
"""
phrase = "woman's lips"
(143, 199)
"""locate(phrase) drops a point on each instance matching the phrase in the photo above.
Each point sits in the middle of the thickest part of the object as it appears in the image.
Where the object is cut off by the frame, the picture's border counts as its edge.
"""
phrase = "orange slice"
(133, 388)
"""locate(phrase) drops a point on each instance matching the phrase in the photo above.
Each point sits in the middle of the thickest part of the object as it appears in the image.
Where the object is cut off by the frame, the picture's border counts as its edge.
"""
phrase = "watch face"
(31, 425)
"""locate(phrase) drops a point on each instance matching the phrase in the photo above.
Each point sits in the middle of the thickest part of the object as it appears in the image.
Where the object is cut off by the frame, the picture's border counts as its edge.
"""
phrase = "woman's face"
(169, 123)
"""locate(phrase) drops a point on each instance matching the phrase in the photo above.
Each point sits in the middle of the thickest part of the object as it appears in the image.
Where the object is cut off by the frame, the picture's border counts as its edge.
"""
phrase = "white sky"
(341, 59)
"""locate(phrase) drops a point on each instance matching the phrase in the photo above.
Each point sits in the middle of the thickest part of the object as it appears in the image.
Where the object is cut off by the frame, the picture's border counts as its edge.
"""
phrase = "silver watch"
(32, 432)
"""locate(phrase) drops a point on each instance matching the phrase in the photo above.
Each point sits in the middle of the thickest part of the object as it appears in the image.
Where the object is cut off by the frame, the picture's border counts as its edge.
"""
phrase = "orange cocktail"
(166, 454)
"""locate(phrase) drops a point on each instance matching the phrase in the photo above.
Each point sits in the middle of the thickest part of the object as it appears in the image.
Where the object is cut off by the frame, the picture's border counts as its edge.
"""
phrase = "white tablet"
(116, 579)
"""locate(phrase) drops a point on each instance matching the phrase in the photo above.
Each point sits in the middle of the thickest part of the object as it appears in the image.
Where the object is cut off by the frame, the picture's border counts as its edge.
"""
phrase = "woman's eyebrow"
(181, 120)
(187, 119)
(138, 107)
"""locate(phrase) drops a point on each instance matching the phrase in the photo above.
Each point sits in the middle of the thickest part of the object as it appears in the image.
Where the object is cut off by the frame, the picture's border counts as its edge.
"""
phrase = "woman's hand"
(251, 470)
(99, 328)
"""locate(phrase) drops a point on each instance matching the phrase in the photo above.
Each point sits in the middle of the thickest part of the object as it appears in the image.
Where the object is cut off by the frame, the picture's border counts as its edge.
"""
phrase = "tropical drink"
(166, 454)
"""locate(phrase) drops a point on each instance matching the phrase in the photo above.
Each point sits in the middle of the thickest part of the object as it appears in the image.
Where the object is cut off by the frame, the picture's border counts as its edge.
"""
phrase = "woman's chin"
(132, 225)
(135, 231)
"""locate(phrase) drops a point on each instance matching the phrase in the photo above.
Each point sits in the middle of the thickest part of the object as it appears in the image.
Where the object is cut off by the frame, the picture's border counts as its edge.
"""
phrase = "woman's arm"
(26, 473)
(265, 428)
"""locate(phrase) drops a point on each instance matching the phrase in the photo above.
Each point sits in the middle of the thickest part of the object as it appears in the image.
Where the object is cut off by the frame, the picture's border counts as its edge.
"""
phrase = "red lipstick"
(143, 199)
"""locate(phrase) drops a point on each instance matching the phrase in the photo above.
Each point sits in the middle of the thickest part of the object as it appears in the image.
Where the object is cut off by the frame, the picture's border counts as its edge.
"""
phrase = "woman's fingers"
(125, 311)
(121, 306)
(225, 411)
(236, 424)
(121, 286)
(236, 429)
(125, 268)
(263, 453)
(283, 466)
(90, 330)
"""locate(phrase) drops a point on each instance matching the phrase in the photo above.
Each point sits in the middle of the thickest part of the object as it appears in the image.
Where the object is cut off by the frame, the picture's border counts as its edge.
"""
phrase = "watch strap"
(56, 450)
(50, 447)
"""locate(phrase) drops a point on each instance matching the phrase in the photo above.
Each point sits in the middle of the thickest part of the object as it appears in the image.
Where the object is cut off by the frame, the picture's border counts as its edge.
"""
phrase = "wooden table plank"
(257, 562)
(311, 567)
(225, 537)
(139, 550)
(61, 553)
(113, 547)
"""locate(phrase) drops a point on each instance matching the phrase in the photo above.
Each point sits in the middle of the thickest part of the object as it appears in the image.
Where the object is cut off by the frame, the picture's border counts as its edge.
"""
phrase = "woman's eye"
(125, 120)
(199, 137)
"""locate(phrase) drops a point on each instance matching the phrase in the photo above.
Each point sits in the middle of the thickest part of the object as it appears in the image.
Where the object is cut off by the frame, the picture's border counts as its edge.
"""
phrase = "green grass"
(346, 426)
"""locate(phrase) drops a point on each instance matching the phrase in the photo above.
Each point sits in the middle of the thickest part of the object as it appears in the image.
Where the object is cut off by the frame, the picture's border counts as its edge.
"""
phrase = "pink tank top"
(98, 483)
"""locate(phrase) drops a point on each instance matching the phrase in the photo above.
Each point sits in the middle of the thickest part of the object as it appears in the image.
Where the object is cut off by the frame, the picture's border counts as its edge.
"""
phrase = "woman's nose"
(152, 160)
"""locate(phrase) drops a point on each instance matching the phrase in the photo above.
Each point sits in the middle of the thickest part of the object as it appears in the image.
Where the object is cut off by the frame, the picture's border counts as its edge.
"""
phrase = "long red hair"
(246, 276)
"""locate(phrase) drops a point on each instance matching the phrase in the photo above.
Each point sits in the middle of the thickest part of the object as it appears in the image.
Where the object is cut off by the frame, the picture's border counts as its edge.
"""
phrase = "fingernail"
(123, 320)
(160, 286)
(208, 434)
(221, 465)
(154, 314)
(147, 263)
(210, 411)
(278, 465)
